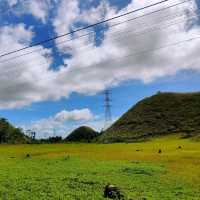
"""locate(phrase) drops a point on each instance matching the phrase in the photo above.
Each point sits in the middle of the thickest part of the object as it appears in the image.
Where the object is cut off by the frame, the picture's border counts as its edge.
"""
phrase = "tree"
(10, 134)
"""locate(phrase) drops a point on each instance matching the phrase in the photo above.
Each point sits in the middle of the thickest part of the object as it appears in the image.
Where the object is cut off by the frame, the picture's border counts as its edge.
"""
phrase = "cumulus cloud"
(123, 56)
(37, 8)
(76, 115)
(63, 122)
(22, 79)
(67, 13)
(97, 14)
(130, 51)
(12, 2)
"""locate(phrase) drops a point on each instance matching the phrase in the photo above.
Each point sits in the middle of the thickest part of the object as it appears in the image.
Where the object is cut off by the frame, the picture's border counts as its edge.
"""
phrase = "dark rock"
(28, 155)
(135, 162)
(113, 192)
(67, 157)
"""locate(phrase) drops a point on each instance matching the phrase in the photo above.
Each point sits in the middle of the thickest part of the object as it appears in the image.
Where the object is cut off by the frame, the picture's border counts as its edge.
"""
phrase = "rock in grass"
(113, 192)
(67, 157)
(28, 155)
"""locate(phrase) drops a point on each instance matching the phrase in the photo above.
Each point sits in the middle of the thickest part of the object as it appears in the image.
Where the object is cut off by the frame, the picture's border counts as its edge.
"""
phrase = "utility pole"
(107, 107)
(54, 132)
(31, 134)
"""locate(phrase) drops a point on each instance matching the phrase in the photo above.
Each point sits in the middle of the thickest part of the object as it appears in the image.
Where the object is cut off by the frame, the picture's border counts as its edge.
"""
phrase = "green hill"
(10, 134)
(161, 114)
(82, 134)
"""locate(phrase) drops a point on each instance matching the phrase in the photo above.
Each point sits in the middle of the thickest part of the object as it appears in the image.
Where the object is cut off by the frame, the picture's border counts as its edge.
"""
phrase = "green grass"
(80, 171)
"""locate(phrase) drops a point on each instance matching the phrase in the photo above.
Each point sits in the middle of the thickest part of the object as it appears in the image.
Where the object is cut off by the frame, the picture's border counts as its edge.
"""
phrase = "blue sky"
(43, 95)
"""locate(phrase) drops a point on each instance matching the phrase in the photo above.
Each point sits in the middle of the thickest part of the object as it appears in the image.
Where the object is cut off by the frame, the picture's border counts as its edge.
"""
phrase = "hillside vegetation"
(10, 134)
(82, 134)
(161, 114)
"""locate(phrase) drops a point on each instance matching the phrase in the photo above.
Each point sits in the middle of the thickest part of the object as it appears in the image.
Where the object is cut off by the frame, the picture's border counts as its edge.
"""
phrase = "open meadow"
(81, 171)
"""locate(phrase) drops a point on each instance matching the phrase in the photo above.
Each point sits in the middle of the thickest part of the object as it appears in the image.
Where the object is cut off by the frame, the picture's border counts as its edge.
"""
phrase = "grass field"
(80, 171)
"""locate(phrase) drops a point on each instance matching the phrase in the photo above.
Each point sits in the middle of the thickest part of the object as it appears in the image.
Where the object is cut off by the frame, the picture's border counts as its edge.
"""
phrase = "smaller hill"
(82, 134)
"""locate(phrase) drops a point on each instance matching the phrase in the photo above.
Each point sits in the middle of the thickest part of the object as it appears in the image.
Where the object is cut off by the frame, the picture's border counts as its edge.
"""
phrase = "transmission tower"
(107, 106)
(31, 134)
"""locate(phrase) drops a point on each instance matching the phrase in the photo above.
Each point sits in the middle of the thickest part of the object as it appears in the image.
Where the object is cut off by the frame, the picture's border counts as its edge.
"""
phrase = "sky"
(55, 87)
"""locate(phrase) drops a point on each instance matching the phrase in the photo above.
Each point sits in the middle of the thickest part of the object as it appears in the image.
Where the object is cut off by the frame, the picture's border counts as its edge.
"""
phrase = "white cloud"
(37, 8)
(91, 68)
(12, 2)
(61, 123)
(18, 34)
(23, 79)
(67, 13)
(51, 126)
(103, 71)
(76, 115)
(97, 14)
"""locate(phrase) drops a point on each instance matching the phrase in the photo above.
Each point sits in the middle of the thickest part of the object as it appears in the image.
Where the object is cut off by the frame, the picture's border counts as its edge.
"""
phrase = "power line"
(122, 57)
(73, 39)
(153, 12)
(143, 52)
(150, 50)
(84, 28)
(42, 64)
(137, 33)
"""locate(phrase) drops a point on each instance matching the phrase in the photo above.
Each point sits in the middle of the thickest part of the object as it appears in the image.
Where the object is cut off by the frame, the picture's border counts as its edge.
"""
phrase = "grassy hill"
(161, 114)
(10, 134)
(82, 134)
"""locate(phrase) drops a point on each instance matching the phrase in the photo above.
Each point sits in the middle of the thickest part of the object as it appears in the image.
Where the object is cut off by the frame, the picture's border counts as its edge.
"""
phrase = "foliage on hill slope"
(161, 114)
(82, 134)
(10, 134)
